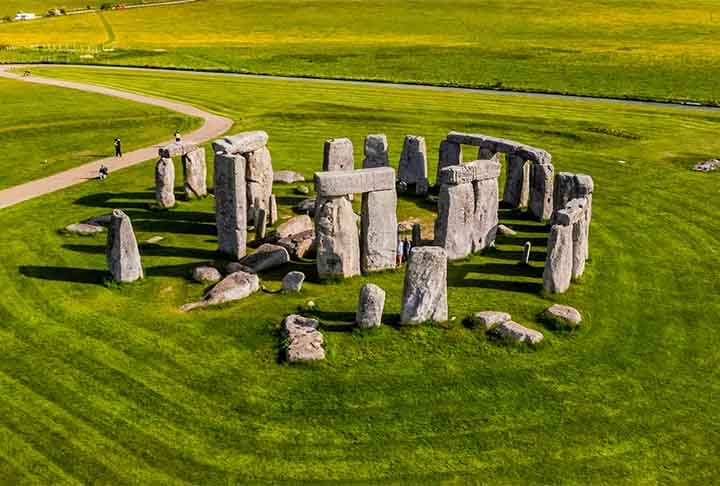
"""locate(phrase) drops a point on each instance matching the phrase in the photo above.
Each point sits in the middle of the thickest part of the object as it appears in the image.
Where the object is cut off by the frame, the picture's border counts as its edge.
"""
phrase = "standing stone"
(485, 213)
(259, 180)
(486, 153)
(454, 224)
(413, 161)
(559, 262)
(376, 151)
(527, 248)
(584, 187)
(230, 204)
(123, 256)
(370, 306)
(416, 234)
(580, 244)
(260, 224)
(563, 189)
(516, 181)
(165, 183)
(450, 154)
(195, 174)
(338, 155)
(378, 235)
(338, 244)
(541, 190)
(425, 287)
(273, 209)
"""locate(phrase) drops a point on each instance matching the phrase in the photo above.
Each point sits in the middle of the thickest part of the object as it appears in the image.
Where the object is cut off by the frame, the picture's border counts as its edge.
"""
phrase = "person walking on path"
(406, 249)
(399, 252)
(103, 172)
(118, 148)
(177, 136)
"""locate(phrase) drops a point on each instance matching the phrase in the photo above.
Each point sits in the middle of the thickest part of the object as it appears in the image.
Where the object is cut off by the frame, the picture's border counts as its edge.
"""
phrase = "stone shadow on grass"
(151, 250)
(116, 199)
(65, 274)
(186, 216)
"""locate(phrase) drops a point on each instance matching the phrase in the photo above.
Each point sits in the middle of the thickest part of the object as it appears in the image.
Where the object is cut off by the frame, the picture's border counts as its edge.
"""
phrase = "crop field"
(44, 130)
(110, 384)
(664, 50)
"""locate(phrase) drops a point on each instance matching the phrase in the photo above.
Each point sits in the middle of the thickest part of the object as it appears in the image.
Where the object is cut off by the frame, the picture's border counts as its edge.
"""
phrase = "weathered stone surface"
(265, 257)
(245, 142)
(293, 281)
(527, 248)
(342, 183)
(454, 226)
(425, 286)
(416, 234)
(541, 190)
(378, 231)
(477, 170)
(376, 151)
(370, 306)
(506, 231)
(564, 189)
(580, 246)
(175, 149)
(233, 267)
(338, 155)
(287, 177)
(84, 229)
(102, 220)
(517, 181)
(230, 204)
(303, 341)
(558, 264)
(519, 333)
(260, 224)
(338, 243)
(273, 209)
(570, 213)
(413, 160)
(293, 226)
(490, 319)
(123, 256)
(299, 245)
(206, 274)
(195, 174)
(584, 187)
(307, 206)
(450, 154)
(485, 217)
(235, 286)
(564, 313)
(494, 144)
(165, 183)
(259, 180)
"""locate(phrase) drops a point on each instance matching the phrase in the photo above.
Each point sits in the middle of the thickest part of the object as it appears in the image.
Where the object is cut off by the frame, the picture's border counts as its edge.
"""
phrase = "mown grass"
(45, 130)
(666, 50)
(114, 385)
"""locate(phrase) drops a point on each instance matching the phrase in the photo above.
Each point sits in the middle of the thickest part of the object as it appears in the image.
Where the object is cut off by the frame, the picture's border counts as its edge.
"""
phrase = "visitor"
(177, 136)
(103, 172)
(407, 246)
(400, 249)
(118, 148)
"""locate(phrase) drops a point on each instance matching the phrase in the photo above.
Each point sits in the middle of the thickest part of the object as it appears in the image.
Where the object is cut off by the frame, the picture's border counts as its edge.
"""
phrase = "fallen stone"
(307, 206)
(506, 231)
(293, 281)
(123, 256)
(342, 183)
(707, 166)
(425, 286)
(287, 177)
(233, 267)
(519, 333)
(294, 226)
(83, 229)
(298, 245)
(265, 257)
(370, 306)
(206, 274)
(235, 286)
(376, 151)
(559, 262)
(490, 319)
(303, 341)
(565, 314)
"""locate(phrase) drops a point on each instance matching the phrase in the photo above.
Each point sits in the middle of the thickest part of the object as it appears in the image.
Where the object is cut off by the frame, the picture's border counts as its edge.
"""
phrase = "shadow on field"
(116, 199)
(192, 216)
(151, 250)
(64, 274)
(516, 255)
(506, 285)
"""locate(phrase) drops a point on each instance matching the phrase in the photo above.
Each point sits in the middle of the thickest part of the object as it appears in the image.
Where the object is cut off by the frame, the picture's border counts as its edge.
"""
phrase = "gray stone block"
(235, 286)
(490, 319)
(195, 174)
(176, 149)
(376, 152)
(165, 183)
(517, 181)
(338, 155)
(454, 227)
(477, 170)
(519, 333)
(564, 189)
(265, 257)
(425, 286)
(243, 143)
(370, 306)
(303, 341)
(413, 160)
(485, 216)
(450, 154)
(342, 183)
(259, 180)
(559, 262)
(541, 190)
(123, 256)
(230, 204)
(338, 242)
(378, 231)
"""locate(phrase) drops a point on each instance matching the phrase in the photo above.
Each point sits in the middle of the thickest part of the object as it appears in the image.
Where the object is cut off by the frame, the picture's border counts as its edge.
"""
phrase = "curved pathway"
(213, 127)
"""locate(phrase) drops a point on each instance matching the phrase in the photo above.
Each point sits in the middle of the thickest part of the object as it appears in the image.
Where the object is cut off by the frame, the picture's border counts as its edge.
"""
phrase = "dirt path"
(213, 127)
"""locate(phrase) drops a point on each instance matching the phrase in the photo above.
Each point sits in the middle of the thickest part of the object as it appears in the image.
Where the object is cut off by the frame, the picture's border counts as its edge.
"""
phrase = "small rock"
(206, 274)
(708, 165)
(304, 190)
(307, 206)
(519, 333)
(564, 313)
(370, 306)
(235, 286)
(84, 229)
(266, 256)
(154, 240)
(294, 226)
(303, 341)
(505, 231)
(293, 281)
(287, 177)
(490, 319)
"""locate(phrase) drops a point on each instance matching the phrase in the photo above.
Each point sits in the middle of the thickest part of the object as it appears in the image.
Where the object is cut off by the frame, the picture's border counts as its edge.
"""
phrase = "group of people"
(103, 172)
(403, 250)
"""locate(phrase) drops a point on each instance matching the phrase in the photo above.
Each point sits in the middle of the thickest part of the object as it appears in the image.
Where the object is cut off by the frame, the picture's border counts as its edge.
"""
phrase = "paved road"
(213, 127)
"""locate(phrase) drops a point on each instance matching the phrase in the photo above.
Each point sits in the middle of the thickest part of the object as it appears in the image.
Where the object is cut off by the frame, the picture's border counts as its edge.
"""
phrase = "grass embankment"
(47, 130)
(667, 51)
(114, 385)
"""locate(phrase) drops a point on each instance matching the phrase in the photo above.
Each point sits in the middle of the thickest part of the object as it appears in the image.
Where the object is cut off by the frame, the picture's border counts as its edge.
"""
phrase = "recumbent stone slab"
(564, 313)
(490, 319)
(519, 333)
(303, 341)
(235, 286)
(342, 183)
(265, 257)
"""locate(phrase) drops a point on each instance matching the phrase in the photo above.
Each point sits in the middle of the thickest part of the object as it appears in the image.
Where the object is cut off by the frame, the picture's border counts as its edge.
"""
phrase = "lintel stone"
(341, 183)
(477, 170)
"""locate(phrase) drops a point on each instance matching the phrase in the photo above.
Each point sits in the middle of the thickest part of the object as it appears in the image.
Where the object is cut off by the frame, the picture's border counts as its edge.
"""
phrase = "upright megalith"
(376, 151)
(564, 189)
(557, 274)
(230, 204)
(195, 174)
(272, 210)
(425, 287)
(338, 244)
(123, 256)
(413, 162)
(259, 181)
(378, 221)
(454, 225)
(338, 155)
(450, 153)
(517, 181)
(165, 183)
(370, 306)
(485, 219)
(541, 190)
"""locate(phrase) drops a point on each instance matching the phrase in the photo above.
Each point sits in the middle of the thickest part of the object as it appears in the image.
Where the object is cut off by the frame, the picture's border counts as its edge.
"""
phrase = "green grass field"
(664, 50)
(44, 130)
(114, 385)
